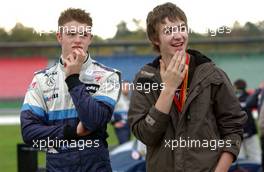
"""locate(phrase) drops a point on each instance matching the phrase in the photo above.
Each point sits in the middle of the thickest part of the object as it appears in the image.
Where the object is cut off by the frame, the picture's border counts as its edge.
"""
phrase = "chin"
(177, 49)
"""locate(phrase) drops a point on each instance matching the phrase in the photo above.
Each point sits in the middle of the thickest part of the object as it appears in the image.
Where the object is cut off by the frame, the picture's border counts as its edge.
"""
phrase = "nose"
(176, 35)
(78, 38)
(177, 32)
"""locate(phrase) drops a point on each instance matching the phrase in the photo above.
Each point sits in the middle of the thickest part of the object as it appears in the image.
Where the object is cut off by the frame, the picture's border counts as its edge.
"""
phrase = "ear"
(156, 41)
(59, 37)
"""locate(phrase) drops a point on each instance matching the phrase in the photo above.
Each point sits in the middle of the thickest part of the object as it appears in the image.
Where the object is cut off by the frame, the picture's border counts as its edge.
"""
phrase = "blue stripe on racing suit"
(93, 113)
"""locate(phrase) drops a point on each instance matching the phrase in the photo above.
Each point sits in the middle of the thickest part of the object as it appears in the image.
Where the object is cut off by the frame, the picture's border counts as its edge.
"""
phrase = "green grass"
(16, 104)
(9, 138)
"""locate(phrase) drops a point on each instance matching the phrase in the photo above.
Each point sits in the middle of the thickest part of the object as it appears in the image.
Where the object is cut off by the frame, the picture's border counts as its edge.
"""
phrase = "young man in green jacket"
(183, 107)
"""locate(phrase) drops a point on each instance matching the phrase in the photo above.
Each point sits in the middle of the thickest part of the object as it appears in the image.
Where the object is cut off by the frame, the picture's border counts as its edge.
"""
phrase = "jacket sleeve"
(94, 111)
(33, 118)
(147, 123)
(230, 118)
(117, 117)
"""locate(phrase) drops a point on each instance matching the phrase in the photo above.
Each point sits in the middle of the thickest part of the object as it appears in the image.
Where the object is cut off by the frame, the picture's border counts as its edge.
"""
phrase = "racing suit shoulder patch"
(103, 66)
(40, 71)
(45, 70)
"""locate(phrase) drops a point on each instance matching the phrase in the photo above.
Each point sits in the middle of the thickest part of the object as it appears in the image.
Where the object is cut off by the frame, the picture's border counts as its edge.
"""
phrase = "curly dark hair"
(158, 15)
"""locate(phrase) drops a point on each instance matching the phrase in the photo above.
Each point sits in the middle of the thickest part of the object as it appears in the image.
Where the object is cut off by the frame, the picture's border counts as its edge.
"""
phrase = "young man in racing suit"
(67, 107)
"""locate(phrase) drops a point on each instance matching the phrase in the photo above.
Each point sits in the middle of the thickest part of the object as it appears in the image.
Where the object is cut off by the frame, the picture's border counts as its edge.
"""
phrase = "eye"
(167, 30)
(85, 34)
(70, 34)
(183, 28)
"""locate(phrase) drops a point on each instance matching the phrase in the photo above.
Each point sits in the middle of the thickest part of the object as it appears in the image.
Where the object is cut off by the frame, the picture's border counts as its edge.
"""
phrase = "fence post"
(27, 158)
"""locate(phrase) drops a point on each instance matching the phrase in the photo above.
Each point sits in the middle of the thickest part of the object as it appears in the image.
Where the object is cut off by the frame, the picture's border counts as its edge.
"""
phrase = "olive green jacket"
(193, 140)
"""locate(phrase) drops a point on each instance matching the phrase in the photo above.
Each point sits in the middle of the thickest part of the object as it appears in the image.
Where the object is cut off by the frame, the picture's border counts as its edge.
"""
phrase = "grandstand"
(17, 73)
(17, 70)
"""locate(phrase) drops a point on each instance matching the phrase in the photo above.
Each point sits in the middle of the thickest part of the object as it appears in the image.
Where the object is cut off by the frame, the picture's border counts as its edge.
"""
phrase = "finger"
(82, 55)
(181, 67)
(182, 62)
(70, 58)
(186, 68)
(173, 60)
(82, 52)
(76, 54)
(78, 50)
(178, 61)
(162, 67)
(66, 62)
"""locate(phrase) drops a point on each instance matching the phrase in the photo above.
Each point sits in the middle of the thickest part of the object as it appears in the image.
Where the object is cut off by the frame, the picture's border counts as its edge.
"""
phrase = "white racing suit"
(54, 106)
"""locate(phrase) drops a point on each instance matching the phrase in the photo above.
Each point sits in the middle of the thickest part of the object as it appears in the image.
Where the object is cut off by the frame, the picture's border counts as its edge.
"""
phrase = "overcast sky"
(106, 14)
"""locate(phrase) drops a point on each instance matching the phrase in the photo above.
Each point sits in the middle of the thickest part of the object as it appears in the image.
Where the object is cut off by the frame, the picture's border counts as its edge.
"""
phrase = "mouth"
(75, 47)
(177, 44)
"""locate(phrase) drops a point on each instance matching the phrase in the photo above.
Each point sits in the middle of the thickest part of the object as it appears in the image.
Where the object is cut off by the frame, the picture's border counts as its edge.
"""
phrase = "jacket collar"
(203, 68)
(201, 72)
(201, 63)
(199, 59)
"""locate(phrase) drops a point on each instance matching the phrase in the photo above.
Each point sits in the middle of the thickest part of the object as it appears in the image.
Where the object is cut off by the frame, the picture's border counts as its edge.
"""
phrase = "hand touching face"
(72, 37)
(74, 61)
(173, 74)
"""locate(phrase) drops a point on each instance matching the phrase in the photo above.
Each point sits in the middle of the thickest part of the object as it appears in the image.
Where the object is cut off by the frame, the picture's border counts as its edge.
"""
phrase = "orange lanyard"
(179, 102)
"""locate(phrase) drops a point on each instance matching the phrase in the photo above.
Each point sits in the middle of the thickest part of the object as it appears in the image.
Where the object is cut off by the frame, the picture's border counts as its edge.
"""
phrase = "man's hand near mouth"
(74, 61)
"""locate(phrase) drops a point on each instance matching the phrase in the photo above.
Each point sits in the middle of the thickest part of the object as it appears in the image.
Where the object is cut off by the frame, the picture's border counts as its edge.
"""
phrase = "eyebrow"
(182, 24)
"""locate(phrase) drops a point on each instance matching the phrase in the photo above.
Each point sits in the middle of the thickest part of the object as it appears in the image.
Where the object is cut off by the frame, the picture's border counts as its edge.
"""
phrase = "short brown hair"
(157, 16)
(76, 14)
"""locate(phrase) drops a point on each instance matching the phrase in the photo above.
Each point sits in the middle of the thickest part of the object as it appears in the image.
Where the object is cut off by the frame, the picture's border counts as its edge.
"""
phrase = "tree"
(22, 33)
(3, 35)
(236, 25)
(251, 29)
(122, 30)
(137, 23)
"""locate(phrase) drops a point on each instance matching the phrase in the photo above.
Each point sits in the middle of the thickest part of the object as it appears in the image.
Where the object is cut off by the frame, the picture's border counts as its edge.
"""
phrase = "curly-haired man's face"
(173, 36)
